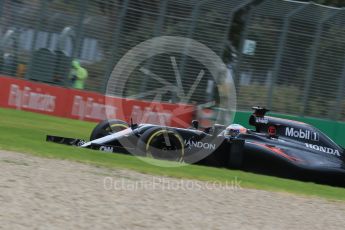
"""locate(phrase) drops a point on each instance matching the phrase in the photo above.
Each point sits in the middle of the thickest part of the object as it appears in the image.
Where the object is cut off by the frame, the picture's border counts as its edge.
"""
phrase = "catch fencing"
(290, 58)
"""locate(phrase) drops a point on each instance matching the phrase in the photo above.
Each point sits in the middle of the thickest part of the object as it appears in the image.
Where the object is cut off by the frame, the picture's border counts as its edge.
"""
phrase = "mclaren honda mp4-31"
(275, 146)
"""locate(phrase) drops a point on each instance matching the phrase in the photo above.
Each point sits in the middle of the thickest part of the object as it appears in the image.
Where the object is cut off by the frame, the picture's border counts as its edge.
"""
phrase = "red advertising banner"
(84, 105)
(30, 96)
(177, 115)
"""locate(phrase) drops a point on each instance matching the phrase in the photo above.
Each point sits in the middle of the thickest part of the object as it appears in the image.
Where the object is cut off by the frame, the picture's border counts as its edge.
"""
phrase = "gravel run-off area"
(39, 193)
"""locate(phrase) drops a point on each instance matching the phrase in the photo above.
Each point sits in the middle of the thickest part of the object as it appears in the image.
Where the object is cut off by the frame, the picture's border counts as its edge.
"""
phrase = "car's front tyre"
(161, 143)
(107, 127)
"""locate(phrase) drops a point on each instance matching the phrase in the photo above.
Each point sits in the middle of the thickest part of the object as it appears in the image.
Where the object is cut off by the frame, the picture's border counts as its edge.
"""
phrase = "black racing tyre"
(161, 143)
(107, 127)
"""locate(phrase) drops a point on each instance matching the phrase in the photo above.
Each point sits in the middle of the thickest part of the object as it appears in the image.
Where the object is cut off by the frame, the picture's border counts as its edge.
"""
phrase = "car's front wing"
(80, 142)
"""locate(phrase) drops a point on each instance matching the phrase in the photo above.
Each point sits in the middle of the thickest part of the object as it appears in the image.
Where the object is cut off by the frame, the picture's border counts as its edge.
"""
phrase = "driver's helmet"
(234, 130)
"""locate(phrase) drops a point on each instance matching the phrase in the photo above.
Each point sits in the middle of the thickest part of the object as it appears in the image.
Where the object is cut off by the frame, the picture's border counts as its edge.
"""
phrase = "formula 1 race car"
(276, 146)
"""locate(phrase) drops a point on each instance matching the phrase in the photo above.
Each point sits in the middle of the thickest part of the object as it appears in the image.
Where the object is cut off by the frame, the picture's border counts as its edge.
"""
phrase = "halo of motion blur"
(224, 107)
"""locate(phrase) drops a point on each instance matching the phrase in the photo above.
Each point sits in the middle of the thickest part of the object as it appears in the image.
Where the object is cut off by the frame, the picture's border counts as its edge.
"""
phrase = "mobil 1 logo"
(303, 134)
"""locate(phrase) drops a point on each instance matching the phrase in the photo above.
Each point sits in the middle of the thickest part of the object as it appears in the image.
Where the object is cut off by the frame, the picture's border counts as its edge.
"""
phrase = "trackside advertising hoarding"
(84, 105)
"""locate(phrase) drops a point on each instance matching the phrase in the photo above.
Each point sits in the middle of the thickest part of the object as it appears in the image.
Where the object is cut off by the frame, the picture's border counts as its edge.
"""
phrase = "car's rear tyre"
(161, 143)
(107, 127)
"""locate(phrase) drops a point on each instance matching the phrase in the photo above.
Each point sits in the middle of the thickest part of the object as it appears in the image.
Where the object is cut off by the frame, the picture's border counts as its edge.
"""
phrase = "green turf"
(25, 132)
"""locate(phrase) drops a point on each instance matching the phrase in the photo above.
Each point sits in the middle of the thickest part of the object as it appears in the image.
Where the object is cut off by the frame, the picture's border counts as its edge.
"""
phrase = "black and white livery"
(275, 146)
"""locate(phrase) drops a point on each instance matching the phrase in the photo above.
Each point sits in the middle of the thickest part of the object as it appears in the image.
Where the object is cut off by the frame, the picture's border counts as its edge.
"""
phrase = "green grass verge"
(25, 132)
